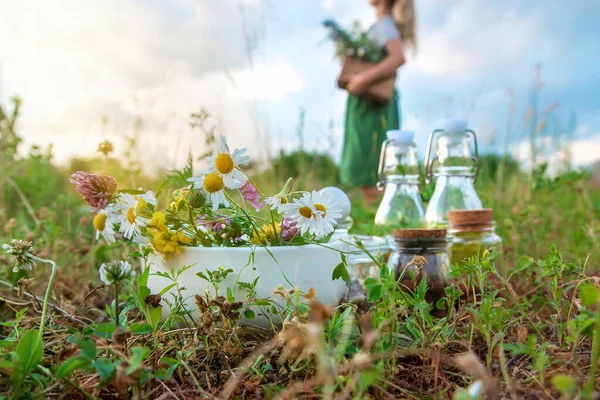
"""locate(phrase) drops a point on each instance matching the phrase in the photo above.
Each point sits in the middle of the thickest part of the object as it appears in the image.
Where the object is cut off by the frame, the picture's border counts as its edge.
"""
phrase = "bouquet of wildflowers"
(205, 213)
(354, 44)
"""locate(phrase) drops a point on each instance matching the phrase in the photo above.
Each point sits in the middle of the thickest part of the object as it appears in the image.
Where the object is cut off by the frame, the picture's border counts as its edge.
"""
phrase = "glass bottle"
(473, 232)
(401, 206)
(431, 244)
(455, 170)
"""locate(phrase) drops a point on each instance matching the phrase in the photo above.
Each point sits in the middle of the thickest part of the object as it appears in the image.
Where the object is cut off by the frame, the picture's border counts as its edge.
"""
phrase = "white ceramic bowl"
(303, 267)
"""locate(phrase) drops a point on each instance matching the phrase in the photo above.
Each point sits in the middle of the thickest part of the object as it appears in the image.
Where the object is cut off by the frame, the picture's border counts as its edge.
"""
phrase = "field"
(533, 335)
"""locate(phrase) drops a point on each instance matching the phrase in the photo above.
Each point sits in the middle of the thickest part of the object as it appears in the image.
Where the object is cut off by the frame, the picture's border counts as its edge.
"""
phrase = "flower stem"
(250, 220)
(116, 306)
(48, 291)
(280, 237)
(588, 389)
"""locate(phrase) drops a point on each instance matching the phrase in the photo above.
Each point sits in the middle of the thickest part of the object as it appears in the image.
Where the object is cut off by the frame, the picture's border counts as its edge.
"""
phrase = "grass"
(532, 334)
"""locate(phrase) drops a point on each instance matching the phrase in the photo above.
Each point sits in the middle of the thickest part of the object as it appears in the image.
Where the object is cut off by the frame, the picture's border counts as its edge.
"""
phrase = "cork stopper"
(414, 234)
(470, 220)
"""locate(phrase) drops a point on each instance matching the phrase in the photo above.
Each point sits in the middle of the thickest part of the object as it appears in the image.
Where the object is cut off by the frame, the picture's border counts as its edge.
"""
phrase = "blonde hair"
(405, 16)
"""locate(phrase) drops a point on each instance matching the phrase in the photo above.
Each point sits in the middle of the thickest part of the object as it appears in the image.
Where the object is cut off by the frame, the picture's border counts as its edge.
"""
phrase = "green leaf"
(523, 263)
(138, 355)
(165, 290)
(201, 275)
(105, 368)
(341, 272)
(169, 361)
(143, 278)
(441, 304)
(155, 316)
(6, 366)
(71, 365)
(249, 314)
(140, 328)
(374, 293)
(143, 292)
(88, 348)
(564, 384)
(29, 351)
(230, 297)
(163, 374)
(368, 379)
(374, 289)
(588, 294)
(105, 330)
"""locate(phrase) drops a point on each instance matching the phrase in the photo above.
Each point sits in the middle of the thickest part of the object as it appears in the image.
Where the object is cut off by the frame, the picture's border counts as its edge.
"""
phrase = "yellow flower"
(181, 238)
(158, 219)
(266, 234)
(168, 242)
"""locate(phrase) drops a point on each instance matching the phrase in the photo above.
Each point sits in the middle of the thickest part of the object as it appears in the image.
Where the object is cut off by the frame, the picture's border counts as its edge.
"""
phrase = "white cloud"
(76, 62)
(269, 81)
(475, 36)
(560, 156)
(347, 11)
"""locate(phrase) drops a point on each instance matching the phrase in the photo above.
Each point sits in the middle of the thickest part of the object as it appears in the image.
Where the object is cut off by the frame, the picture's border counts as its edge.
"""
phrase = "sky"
(88, 70)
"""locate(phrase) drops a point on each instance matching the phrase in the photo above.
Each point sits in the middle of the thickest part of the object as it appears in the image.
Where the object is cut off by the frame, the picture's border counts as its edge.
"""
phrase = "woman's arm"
(358, 83)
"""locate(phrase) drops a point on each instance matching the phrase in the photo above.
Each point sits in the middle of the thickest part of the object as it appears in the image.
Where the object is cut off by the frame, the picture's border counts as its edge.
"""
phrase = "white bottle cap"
(401, 136)
(454, 125)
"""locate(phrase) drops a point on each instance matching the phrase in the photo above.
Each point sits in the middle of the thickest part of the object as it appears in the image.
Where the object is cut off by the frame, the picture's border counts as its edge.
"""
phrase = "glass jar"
(362, 266)
(473, 232)
(401, 206)
(455, 170)
(432, 245)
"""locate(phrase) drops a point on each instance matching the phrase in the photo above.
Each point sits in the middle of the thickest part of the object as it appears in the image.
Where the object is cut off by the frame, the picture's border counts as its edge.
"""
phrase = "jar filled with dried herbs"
(362, 265)
(473, 232)
(418, 254)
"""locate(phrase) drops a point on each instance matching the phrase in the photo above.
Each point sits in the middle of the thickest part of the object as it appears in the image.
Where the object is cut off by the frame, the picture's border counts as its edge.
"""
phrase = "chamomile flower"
(304, 213)
(149, 197)
(212, 184)
(104, 223)
(330, 209)
(277, 202)
(131, 221)
(313, 213)
(226, 164)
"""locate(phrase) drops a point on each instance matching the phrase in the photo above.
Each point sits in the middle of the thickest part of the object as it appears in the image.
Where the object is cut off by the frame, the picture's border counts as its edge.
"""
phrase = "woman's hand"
(343, 81)
(358, 83)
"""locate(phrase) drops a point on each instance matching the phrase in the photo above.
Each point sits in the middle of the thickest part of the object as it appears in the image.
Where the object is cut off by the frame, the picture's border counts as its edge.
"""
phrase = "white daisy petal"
(231, 182)
(239, 176)
(222, 146)
(131, 222)
(149, 197)
(104, 223)
(239, 158)
(226, 164)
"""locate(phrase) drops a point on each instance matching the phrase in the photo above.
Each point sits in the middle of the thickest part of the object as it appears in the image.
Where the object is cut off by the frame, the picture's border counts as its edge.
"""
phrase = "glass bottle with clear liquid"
(454, 168)
(401, 206)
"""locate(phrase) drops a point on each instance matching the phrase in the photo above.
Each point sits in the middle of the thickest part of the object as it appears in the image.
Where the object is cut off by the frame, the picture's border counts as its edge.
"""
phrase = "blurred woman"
(366, 121)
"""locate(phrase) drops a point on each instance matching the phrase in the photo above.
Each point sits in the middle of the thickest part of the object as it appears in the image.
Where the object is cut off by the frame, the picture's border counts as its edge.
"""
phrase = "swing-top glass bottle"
(401, 206)
(454, 168)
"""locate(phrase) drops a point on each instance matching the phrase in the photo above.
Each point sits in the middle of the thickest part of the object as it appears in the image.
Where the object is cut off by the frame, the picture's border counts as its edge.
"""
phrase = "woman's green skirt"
(366, 125)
